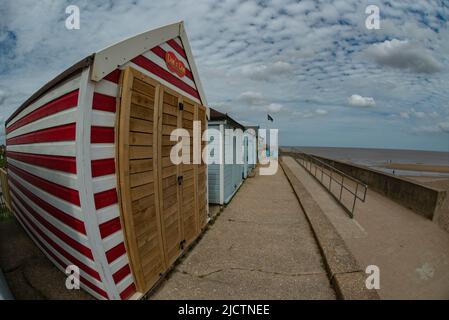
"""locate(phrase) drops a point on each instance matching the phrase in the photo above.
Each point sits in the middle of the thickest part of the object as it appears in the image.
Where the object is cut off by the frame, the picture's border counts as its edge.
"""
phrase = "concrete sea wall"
(419, 198)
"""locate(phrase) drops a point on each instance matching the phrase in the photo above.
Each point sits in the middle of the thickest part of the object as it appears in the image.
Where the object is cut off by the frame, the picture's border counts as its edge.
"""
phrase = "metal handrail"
(334, 172)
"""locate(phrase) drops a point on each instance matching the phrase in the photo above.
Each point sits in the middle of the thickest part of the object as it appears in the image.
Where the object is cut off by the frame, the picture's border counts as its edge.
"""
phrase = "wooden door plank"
(122, 156)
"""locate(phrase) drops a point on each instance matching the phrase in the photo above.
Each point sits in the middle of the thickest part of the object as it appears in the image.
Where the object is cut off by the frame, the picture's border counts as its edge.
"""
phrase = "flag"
(269, 118)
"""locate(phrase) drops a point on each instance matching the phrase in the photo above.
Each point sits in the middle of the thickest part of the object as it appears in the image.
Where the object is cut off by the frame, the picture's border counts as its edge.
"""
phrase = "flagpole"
(267, 137)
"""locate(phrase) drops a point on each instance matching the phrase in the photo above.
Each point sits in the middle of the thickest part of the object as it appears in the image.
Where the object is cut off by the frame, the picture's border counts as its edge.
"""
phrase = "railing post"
(355, 198)
(309, 162)
(341, 186)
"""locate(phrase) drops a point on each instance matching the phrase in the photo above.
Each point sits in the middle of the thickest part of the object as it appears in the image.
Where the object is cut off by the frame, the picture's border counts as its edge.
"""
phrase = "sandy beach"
(417, 167)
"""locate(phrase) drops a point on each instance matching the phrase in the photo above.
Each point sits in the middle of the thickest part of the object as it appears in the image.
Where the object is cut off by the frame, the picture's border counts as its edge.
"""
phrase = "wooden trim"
(122, 156)
(204, 127)
(5, 188)
(195, 175)
(179, 172)
(157, 126)
(109, 58)
(157, 146)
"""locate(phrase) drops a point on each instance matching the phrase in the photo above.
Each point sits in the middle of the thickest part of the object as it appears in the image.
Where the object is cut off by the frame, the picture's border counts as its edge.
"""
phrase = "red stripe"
(55, 246)
(110, 227)
(161, 54)
(103, 167)
(100, 291)
(60, 234)
(121, 274)
(72, 222)
(60, 262)
(104, 102)
(114, 76)
(105, 198)
(128, 291)
(61, 163)
(64, 102)
(164, 74)
(65, 132)
(116, 252)
(102, 134)
(57, 190)
(172, 43)
(63, 264)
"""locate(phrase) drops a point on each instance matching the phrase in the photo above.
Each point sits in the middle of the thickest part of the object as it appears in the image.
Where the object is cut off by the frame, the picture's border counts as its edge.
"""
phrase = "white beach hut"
(89, 169)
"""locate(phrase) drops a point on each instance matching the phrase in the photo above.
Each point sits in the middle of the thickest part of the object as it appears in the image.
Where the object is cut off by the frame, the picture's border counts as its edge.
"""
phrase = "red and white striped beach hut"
(88, 163)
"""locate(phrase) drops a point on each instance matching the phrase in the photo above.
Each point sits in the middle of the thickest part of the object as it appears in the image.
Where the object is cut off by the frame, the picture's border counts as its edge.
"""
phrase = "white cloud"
(441, 127)
(404, 114)
(359, 101)
(2, 96)
(404, 55)
(251, 98)
(305, 114)
(417, 114)
(274, 107)
(321, 112)
(303, 56)
(265, 72)
(444, 126)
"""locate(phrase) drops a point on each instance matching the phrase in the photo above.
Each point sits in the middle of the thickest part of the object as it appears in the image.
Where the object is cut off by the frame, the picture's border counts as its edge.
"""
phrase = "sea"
(376, 158)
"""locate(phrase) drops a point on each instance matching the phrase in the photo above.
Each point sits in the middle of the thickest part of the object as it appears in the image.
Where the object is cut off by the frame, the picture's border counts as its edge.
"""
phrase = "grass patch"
(5, 214)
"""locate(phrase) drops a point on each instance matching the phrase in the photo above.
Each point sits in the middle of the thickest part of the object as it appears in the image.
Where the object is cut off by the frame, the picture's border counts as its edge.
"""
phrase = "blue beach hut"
(226, 177)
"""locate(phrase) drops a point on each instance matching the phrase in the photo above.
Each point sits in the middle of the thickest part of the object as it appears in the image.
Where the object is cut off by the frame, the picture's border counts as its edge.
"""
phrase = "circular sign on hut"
(174, 64)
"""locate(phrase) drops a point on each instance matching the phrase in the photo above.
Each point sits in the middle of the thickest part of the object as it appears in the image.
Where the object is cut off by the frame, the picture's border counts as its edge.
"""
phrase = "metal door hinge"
(182, 243)
(180, 180)
(181, 106)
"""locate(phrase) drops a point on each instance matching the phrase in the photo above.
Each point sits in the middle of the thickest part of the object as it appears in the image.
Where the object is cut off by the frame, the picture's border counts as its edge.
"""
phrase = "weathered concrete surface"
(348, 287)
(411, 251)
(441, 217)
(214, 211)
(342, 266)
(28, 272)
(260, 247)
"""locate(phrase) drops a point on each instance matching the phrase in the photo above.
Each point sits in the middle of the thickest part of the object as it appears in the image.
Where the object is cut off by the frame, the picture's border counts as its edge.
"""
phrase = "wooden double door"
(163, 205)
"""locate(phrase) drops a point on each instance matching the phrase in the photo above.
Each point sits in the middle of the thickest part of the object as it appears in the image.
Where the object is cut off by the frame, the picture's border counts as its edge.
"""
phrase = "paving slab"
(411, 251)
(261, 246)
(338, 258)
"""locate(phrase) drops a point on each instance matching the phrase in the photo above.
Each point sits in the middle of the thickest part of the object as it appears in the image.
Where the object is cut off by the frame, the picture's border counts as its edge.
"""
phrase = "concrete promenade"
(260, 247)
(411, 251)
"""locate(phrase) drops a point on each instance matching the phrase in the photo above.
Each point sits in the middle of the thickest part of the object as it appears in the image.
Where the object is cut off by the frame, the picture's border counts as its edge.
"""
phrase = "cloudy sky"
(323, 76)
